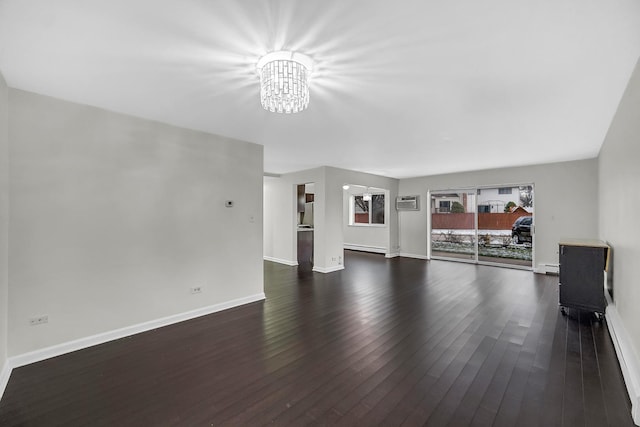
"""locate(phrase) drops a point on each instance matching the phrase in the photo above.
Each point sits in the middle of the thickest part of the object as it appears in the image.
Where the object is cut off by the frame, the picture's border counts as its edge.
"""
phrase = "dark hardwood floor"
(384, 342)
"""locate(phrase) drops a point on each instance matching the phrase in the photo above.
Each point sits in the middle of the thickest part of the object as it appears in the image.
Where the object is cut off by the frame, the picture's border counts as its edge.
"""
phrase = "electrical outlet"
(196, 290)
(38, 320)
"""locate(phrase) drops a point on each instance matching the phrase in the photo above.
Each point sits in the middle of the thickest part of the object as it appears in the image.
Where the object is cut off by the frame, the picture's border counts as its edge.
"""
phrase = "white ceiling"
(400, 88)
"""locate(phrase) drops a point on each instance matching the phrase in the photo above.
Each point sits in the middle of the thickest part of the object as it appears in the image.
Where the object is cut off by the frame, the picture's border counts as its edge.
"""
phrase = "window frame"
(352, 210)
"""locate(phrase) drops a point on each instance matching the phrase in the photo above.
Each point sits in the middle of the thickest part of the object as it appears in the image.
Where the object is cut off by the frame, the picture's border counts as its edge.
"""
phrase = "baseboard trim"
(553, 269)
(365, 248)
(328, 269)
(629, 362)
(406, 255)
(4, 377)
(392, 255)
(79, 344)
(281, 261)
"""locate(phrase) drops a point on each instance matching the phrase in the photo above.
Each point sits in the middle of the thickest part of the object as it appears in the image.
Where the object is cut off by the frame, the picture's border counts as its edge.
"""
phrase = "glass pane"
(504, 227)
(453, 228)
(360, 210)
(377, 209)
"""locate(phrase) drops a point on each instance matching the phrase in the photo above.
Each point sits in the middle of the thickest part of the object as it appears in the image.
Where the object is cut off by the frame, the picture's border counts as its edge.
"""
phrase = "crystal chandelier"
(284, 81)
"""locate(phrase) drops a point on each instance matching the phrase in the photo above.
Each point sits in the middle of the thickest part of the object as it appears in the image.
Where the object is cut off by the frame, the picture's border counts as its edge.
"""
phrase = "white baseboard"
(547, 269)
(406, 255)
(392, 255)
(67, 347)
(4, 377)
(281, 261)
(628, 359)
(365, 248)
(328, 269)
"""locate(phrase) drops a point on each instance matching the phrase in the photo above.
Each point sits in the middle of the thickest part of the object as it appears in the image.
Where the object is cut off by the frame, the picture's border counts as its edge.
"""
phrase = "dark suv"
(521, 229)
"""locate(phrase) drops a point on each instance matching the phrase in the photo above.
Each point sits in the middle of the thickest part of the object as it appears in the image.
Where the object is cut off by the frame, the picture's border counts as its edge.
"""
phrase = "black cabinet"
(582, 267)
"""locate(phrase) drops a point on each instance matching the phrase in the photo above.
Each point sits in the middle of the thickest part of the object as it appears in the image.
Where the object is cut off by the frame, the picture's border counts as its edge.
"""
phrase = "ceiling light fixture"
(284, 81)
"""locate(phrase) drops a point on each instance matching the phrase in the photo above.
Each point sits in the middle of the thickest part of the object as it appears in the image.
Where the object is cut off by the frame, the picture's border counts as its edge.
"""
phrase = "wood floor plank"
(540, 380)
(573, 409)
(616, 399)
(438, 343)
(595, 410)
(384, 342)
(492, 398)
(532, 320)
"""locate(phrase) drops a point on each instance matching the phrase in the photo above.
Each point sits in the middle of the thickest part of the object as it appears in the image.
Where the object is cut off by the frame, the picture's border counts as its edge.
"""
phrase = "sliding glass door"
(505, 225)
(453, 225)
(487, 225)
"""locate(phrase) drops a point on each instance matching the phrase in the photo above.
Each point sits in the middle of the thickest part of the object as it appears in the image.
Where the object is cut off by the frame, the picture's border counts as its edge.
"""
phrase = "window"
(504, 190)
(484, 209)
(445, 206)
(368, 212)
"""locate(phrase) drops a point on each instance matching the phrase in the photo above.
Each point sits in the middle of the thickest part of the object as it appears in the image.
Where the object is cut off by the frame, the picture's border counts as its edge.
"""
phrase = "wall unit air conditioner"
(407, 203)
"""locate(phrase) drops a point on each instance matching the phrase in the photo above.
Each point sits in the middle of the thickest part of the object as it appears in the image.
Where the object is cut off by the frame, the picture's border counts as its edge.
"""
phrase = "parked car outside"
(521, 230)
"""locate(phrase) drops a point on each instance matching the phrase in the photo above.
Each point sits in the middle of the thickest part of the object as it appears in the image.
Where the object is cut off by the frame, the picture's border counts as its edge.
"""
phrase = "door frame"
(476, 259)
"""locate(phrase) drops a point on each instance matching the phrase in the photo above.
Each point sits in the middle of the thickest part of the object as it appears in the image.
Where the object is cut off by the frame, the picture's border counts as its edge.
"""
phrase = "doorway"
(305, 196)
(486, 225)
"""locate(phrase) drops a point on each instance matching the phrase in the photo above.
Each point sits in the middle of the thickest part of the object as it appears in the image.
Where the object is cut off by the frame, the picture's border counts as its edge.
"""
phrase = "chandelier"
(284, 81)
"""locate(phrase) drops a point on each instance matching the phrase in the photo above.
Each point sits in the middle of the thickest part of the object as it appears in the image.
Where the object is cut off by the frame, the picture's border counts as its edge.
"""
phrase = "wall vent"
(407, 203)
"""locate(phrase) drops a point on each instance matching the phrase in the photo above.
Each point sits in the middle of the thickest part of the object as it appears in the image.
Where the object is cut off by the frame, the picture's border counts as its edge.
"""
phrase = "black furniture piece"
(582, 267)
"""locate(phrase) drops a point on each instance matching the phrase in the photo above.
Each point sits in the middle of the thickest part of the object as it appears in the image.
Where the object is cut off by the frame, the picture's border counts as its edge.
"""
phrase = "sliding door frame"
(430, 194)
(476, 259)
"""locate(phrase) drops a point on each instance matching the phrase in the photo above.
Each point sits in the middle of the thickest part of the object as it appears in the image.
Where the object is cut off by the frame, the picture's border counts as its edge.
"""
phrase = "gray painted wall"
(114, 218)
(279, 220)
(620, 206)
(336, 178)
(565, 203)
(279, 207)
(372, 237)
(4, 219)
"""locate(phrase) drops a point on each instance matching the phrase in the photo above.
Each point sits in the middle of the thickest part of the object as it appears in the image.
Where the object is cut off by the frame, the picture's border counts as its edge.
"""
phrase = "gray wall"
(374, 238)
(279, 220)
(113, 219)
(336, 178)
(280, 213)
(4, 219)
(620, 207)
(279, 207)
(565, 203)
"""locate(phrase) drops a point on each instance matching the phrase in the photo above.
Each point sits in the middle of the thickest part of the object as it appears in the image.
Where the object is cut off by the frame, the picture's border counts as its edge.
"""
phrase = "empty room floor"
(383, 342)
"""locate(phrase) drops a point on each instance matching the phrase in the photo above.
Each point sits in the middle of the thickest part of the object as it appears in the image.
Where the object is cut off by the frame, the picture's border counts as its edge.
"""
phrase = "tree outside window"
(368, 211)
(526, 196)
